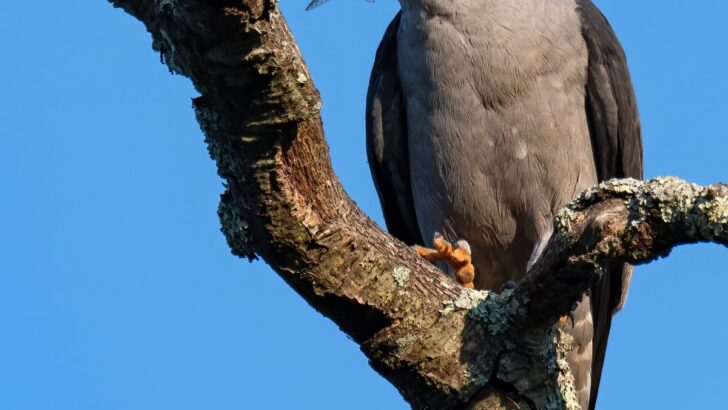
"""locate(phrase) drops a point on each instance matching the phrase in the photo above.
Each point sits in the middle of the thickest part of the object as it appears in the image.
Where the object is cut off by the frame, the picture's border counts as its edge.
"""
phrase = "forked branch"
(442, 346)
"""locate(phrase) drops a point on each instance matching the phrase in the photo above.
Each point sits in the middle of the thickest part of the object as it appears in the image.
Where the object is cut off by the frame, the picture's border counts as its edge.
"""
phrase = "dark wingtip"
(315, 3)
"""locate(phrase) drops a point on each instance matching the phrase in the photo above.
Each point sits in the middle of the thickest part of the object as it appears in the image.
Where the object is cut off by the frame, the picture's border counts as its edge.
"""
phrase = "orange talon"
(459, 258)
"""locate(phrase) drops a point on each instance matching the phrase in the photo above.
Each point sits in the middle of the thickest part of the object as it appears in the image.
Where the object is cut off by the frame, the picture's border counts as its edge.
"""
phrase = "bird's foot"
(459, 257)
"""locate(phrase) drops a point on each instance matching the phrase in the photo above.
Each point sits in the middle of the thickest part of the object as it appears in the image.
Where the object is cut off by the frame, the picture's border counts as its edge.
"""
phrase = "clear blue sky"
(117, 290)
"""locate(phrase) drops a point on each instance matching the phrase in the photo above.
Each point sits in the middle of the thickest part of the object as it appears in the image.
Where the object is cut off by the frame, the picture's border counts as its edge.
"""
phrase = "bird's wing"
(617, 144)
(386, 126)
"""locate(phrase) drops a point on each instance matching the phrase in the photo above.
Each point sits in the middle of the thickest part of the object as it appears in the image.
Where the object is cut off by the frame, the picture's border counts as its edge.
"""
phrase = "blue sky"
(117, 290)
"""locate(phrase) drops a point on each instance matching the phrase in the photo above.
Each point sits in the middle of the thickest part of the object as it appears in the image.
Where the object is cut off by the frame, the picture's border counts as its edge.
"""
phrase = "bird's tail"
(607, 297)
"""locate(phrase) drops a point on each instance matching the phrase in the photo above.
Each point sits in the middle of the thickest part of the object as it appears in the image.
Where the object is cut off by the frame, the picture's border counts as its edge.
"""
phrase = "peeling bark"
(442, 346)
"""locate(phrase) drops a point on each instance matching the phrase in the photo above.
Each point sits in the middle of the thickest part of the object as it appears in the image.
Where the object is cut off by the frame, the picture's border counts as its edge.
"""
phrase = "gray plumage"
(484, 118)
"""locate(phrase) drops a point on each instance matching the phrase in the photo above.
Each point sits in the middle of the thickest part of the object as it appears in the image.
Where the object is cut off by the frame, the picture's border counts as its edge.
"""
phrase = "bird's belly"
(498, 187)
(498, 138)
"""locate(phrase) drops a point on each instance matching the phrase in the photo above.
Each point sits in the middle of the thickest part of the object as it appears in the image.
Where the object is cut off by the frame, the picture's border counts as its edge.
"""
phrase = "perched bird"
(484, 118)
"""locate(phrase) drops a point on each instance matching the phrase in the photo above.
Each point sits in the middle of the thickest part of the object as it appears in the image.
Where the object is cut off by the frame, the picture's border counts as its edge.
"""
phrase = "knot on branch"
(634, 221)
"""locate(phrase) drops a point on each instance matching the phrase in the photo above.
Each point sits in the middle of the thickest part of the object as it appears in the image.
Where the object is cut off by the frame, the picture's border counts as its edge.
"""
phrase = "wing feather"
(387, 150)
(617, 143)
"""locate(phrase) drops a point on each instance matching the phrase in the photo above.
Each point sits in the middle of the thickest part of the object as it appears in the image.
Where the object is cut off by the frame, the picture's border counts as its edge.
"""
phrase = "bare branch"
(441, 345)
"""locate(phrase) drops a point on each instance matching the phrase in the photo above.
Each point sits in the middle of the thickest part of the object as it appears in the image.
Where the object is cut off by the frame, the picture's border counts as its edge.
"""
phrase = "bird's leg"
(459, 257)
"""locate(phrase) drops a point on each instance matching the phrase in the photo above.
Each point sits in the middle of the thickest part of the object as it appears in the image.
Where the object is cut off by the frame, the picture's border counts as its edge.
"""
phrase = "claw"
(459, 257)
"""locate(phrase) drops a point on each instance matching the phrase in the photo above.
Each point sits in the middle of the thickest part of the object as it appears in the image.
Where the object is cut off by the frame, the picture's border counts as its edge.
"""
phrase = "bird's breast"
(497, 128)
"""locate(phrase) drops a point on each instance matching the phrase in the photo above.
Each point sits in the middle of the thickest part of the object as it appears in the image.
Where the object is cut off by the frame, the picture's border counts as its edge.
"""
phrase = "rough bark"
(442, 346)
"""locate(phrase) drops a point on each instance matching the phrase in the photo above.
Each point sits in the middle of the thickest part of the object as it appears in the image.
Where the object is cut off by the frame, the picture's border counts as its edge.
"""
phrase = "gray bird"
(484, 118)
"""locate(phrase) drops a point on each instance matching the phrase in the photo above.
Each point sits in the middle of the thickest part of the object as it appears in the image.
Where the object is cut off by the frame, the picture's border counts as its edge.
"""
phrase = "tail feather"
(580, 327)
(607, 297)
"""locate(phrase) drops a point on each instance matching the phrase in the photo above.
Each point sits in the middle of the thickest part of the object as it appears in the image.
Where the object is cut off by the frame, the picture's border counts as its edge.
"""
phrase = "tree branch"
(621, 221)
(442, 346)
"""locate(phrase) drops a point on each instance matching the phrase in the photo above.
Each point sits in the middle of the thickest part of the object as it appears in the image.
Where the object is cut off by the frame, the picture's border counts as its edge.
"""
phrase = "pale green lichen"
(564, 343)
(496, 310)
(301, 78)
(567, 216)
(626, 186)
(622, 187)
(679, 201)
(220, 145)
(675, 198)
(666, 214)
(467, 300)
(716, 216)
(401, 275)
(497, 317)
(236, 230)
(563, 222)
